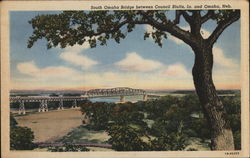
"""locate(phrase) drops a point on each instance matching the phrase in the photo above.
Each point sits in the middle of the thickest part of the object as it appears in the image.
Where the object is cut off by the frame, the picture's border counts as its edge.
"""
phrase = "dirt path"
(51, 125)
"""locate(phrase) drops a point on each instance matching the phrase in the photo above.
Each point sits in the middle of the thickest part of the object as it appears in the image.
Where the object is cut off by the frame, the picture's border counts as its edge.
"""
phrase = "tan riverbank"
(48, 126)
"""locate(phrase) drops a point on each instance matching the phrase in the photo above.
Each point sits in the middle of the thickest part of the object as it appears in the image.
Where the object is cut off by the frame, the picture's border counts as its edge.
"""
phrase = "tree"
(126, 138)
(21, 138)
(99, 114)
(13, 122)
(76, 27)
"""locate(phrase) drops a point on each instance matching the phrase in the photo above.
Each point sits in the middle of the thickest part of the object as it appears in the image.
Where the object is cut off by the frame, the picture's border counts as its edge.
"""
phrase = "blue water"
(113, 99)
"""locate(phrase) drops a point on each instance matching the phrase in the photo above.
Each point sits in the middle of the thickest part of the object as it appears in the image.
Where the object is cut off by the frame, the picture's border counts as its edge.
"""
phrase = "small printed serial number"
(232, 153)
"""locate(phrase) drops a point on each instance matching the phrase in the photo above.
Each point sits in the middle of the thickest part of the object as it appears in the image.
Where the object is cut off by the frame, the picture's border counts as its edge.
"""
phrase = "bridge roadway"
(94, 93)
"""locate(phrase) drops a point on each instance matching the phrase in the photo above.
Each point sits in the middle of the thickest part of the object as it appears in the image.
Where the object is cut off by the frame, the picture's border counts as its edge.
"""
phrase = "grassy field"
(83, 135)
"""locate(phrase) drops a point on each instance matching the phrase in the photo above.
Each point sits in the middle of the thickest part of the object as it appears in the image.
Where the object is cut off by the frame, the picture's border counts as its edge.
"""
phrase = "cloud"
(77, 59)
(221, 60)
(174, 76)
(30, 68)
(134, 62)
(77, 47)
(218, 53)
(227, 78)
(177, 70)
(72, 55)
(27, 68)
(149, 28)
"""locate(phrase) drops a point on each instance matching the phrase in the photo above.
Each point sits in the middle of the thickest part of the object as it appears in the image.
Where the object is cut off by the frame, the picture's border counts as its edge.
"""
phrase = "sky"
(135, 62)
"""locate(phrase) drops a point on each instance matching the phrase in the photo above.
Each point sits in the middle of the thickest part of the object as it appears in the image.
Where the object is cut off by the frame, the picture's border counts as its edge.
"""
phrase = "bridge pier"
(21, 108)
(60, 105)
(74, 104)
(122, 98)
(43, 106)
(145, 97)
(46, 105)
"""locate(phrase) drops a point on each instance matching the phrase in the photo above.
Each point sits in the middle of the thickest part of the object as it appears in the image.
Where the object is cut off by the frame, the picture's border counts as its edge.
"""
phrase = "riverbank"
(49, 126)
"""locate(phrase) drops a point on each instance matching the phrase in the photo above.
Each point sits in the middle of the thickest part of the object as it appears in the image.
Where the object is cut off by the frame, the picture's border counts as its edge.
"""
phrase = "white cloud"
(148, 28)
(134, 62)
(218, 53)
(174, 76)
(29, 68)
(221, 60)
(77, 59)
(228, 78)
(77, 47)
(177, 70)
(72, 55)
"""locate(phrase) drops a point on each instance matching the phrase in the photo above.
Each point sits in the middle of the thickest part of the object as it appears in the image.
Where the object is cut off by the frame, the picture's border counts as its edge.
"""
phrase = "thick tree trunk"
(221, 133)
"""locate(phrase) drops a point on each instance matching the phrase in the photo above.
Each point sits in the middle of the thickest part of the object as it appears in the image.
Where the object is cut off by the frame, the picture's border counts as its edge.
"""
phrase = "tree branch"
(178, 14)
(206, 17)
(174, 30)
(222, 26)
(186, 17)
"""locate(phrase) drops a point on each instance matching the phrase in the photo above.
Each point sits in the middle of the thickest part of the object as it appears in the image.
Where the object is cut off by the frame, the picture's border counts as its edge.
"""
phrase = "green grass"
(83, 135)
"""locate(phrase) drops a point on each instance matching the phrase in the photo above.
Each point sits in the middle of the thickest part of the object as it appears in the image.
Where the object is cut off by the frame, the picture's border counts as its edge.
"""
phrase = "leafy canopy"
(76, 27)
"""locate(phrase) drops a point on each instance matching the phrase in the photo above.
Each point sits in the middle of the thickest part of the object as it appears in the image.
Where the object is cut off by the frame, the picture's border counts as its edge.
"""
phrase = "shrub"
(192, 149)
(99, 114)
(21, 138)
(13, 122)
(125, 138)
(237, 140)
(171, 142)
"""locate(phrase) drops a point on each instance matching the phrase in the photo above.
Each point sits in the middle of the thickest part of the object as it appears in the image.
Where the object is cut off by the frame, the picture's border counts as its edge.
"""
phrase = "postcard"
(124, 79)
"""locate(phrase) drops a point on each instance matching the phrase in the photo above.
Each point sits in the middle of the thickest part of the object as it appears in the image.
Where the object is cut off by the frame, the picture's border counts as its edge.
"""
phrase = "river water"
(116, 99)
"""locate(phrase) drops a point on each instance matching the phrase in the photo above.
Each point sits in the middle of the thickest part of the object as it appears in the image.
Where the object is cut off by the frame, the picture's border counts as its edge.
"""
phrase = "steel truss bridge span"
(94, 93)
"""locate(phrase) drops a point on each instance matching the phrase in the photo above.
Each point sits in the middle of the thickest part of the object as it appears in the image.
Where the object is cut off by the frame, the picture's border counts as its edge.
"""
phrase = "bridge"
(94, 93)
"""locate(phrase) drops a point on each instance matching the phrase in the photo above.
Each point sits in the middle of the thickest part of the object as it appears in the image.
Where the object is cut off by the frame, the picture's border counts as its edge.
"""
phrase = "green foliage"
(96, 27)
(126, 138)
(21, 138)
(128, 113)
(156, 108)
(192, 149)
(173, 121)
(172, 142)
(68, 148)
(233, 108)
(13, 122)
(237, 140)
(99, 114)
(221, 15)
